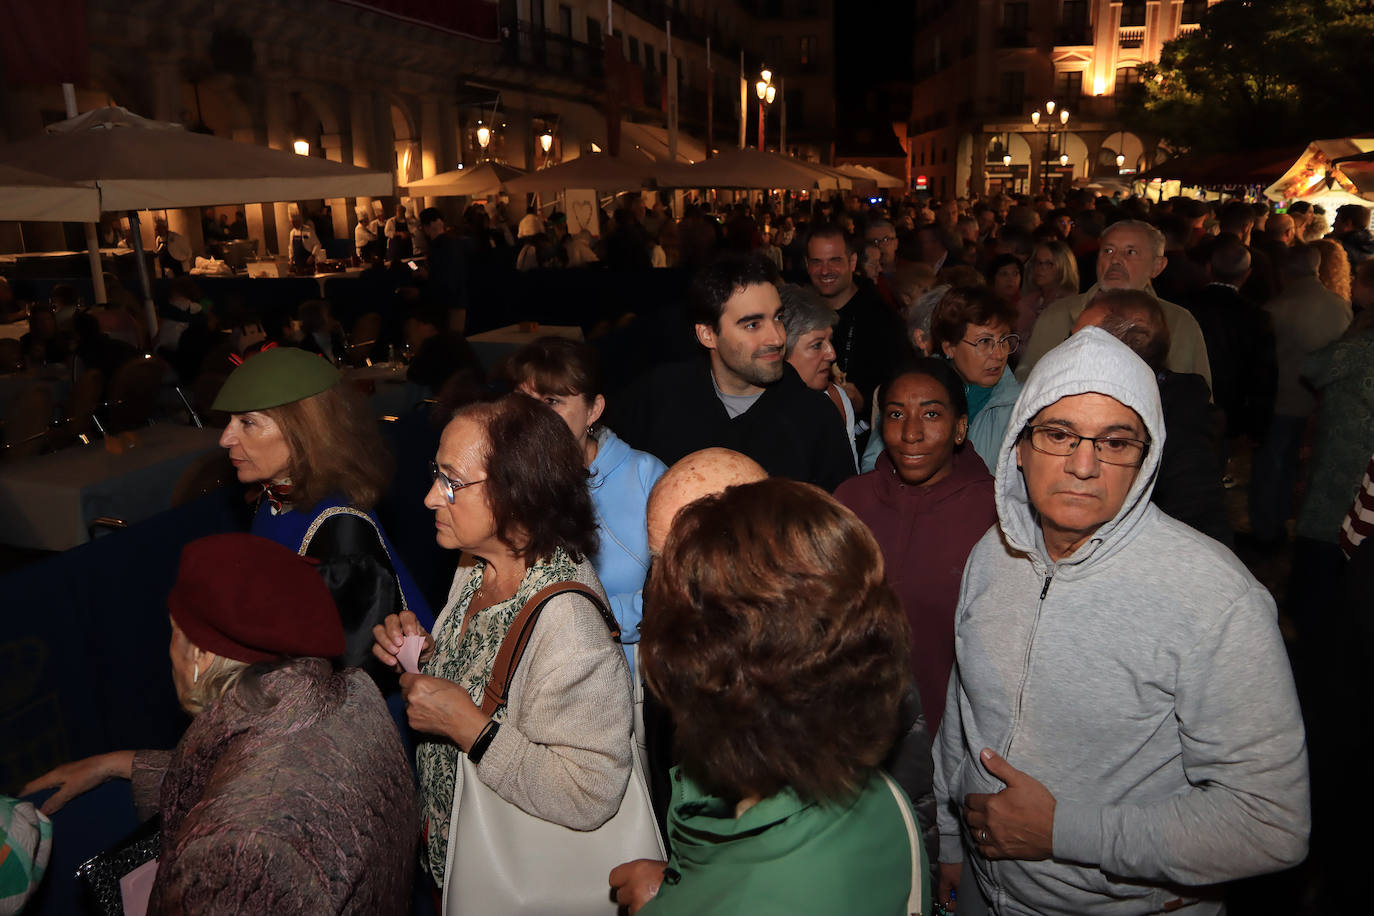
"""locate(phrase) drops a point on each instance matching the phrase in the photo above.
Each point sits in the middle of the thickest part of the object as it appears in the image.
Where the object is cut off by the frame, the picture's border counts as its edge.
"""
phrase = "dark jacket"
(791, 430)
(1181, 277)
(1240, 349)
(1358, 245)
(304, 807)
(869, 340)
(1189, 483)
(448, 273)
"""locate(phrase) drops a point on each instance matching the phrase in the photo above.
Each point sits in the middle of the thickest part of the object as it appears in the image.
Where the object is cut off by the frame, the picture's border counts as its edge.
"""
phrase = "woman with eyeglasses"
(559, 748)
(1051, 274)
(972, 328)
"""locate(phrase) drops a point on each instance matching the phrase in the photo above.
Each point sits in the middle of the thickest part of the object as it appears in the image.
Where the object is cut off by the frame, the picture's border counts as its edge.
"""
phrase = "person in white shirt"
(173, 251)
(303, 245)
(365, 233)
(399, 230)
(530, 224)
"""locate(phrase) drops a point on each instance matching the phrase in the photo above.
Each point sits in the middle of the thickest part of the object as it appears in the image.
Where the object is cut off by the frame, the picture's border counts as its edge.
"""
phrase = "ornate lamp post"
(1049, 119)
(766, 92)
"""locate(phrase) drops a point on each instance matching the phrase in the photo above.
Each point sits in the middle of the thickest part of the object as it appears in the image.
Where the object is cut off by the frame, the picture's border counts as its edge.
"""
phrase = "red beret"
(253, 600)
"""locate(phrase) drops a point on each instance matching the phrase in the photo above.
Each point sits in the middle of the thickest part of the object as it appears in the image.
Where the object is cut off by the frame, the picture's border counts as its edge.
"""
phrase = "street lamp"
(766, 92)
(302, 147)
(1120, 162)
(1048, 118)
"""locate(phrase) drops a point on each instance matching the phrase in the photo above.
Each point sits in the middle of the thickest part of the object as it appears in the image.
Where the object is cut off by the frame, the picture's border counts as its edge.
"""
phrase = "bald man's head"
(699, 474)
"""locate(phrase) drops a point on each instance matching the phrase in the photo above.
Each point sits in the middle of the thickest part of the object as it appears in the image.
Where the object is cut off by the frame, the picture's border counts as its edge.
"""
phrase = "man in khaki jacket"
(1131, 255)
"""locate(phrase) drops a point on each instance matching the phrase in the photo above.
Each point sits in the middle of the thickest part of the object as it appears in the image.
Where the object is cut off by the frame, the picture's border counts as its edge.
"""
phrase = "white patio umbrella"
(868, 173)
(474, 182)
(29, 195)
(139, 164)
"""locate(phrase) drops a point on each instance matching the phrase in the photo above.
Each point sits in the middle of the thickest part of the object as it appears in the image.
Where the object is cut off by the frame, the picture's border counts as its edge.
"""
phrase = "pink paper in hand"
(136, 888)
(409, 654)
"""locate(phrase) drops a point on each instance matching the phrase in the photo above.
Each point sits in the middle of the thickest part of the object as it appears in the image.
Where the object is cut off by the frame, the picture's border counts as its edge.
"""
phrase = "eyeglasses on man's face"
(448, 484)
(1059, 442)
(986, 346)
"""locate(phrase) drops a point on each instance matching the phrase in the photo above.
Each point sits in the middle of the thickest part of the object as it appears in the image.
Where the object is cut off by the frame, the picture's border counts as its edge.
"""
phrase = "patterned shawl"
(466, 658)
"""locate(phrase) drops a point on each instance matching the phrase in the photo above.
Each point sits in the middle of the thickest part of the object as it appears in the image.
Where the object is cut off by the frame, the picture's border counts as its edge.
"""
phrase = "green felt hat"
(275, 377)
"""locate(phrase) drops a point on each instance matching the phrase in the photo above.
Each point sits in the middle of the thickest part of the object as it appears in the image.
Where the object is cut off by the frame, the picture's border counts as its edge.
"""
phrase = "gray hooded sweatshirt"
(1142, 679)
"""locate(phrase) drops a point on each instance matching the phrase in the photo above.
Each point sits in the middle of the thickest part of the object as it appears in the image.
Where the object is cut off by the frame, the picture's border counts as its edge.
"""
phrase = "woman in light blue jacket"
(566, 375)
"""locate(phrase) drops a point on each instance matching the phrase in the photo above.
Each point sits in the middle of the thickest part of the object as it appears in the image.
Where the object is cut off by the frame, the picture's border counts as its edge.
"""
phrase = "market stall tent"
(1320, 176)
(599, 171)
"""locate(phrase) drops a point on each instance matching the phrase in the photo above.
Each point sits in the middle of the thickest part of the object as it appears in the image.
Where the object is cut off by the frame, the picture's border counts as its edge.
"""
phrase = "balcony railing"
(1013, 38)
(540, 49)
(1131, 37)
(1073, 35)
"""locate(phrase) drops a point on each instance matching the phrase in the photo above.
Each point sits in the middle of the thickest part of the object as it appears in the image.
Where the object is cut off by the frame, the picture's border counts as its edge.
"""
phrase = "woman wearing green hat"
(298, 432)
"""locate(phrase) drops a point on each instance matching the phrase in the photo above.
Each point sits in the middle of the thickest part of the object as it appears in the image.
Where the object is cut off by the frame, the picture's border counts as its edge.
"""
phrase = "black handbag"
(99, 876)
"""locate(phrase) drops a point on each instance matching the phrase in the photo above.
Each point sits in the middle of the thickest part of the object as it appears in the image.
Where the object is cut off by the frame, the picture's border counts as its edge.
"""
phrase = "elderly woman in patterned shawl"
(510, 490)
(289, 792)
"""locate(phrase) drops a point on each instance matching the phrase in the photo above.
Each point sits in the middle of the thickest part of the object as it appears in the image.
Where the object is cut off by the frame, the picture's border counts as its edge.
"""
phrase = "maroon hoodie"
(926, 534)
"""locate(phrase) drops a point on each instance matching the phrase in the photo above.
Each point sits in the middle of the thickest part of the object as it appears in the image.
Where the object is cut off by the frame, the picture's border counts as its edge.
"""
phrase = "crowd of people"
(918, 589)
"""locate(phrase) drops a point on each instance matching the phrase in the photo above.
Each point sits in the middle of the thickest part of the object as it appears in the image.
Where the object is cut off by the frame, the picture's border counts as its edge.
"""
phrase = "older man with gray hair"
(1130, 256)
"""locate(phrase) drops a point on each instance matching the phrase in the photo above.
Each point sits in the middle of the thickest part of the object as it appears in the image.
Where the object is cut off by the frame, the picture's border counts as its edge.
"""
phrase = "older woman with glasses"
(559, 747)
(972, 328)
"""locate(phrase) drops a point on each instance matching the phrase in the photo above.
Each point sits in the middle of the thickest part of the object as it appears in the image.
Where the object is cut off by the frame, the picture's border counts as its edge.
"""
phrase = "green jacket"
(786, 856)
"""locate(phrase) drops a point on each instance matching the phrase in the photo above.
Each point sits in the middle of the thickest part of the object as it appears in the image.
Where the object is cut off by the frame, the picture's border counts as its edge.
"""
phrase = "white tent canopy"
(598, 171)
(652, 141)
(868, 173)
(140, 164)
(750, 169)
(28, 195)
(487, 178)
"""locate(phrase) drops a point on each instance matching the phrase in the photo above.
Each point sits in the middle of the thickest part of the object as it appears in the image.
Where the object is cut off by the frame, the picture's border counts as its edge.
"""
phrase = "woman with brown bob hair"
(309, 445)
(974, 329)
(510, 491)
(781, 653)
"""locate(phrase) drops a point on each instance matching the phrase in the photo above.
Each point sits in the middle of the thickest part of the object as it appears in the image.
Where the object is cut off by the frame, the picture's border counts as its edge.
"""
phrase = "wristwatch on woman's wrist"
(484, 739)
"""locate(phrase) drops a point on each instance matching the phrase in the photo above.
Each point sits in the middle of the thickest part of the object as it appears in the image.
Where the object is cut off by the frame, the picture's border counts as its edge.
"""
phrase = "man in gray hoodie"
(1122, 728)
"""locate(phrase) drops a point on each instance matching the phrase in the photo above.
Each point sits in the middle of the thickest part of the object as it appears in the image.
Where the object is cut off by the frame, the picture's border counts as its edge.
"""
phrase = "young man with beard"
(746, 398)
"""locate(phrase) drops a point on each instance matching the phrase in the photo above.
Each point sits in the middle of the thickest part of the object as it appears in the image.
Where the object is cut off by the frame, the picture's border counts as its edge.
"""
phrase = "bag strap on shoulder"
(517, 639)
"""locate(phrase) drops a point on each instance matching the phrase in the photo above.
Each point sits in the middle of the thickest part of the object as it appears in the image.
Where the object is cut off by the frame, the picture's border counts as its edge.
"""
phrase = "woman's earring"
(195, 672)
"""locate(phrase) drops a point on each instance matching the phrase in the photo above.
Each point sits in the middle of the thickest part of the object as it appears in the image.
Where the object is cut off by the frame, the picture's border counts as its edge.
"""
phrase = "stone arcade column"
(278, 137)
(166, 75)
(431, 140)
(340, 208)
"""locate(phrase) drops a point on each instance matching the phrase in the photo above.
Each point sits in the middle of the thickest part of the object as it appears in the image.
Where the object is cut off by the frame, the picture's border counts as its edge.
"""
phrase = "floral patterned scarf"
(466, 658)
